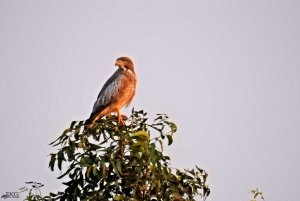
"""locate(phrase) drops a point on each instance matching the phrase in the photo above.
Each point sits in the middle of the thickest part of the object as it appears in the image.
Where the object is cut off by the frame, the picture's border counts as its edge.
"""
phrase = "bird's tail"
(92, 118)
(88, 121)
(88, 124)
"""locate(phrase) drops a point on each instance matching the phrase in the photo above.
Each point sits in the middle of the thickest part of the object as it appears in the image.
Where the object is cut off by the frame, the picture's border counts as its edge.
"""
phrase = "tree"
(108, 161)
(256, 195)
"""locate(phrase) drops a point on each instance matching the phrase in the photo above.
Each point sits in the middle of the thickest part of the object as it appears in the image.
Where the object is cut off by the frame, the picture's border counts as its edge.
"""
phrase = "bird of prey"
(117, 92)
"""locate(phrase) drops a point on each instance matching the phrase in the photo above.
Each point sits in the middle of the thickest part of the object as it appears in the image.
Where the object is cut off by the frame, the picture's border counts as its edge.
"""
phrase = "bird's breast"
(127, 91)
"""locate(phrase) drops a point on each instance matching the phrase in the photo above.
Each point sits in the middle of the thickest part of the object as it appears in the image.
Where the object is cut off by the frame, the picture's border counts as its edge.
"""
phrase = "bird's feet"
(121, 119)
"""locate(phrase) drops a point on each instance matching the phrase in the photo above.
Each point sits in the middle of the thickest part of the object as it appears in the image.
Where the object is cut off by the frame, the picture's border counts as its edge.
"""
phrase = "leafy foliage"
(257, 195)
(33, 191)
(108, 161)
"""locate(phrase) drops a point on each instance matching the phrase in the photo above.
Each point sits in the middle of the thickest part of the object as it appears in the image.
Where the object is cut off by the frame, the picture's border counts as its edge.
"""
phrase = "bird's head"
(125, 63)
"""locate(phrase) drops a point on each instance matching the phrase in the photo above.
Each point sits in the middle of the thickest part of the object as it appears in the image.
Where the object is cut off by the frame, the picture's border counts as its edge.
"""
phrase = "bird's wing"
(109, 92)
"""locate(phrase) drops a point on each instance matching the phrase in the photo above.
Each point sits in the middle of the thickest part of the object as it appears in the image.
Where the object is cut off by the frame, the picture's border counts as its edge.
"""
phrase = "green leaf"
(170, 139)
(61, 137)
(140, 135)
(67, 172)
(60, 158)
(199, 169)
(52, 194)
(172, 125)
(103, 169)
(70, 153)
(94, 146)
(158, 118)
(86, 161)
(192, 172)
(119, 197)
(161, 145)
(95, 171)
(139, 146)
(52, 161)
(88, 172)
(119, 166)
(206, 191)
(115, 168)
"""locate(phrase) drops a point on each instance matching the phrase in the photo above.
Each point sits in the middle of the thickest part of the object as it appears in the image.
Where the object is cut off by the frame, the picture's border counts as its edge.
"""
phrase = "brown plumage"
(117, 92)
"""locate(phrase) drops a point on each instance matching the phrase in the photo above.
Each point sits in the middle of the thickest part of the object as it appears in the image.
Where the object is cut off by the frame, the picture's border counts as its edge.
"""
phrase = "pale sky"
(227, 72)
